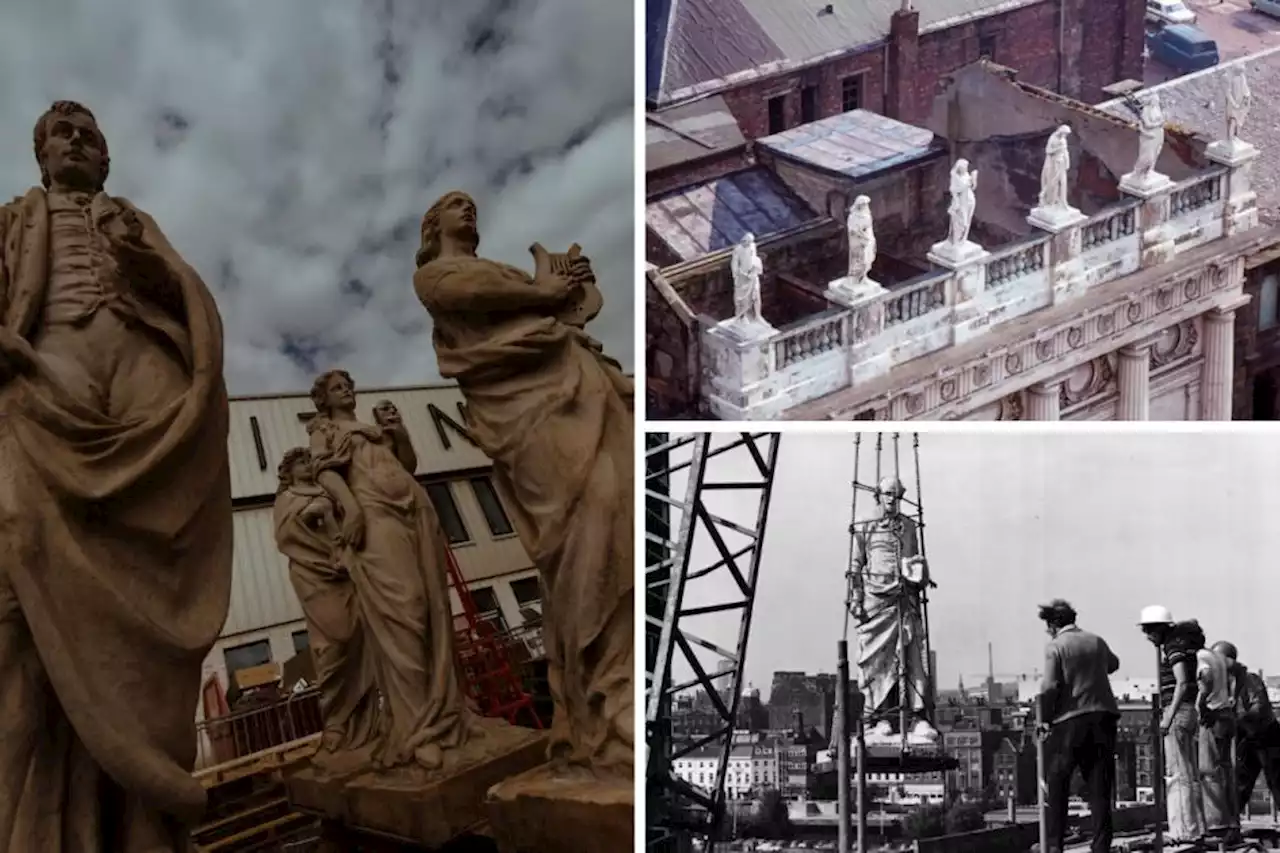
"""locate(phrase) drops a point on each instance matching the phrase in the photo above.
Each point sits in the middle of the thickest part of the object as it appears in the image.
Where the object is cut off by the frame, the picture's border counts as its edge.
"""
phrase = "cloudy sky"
(1110, 522)
(289, 149)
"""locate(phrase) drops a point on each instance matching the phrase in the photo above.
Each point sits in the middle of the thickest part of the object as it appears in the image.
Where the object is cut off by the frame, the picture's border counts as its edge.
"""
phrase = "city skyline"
(1162, 513)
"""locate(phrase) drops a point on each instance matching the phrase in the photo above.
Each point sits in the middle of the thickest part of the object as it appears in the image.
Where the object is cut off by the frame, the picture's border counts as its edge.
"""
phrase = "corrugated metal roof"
(279, 428)
(712, 216)
(854, 144)
(708, 41)
(689, 131)
(261, 595)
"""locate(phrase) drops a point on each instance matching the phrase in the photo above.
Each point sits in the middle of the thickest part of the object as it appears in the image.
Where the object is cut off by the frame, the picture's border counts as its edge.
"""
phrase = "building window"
(450, 518)
(301, 641)
(247, 656)
(491, 506)
(851, 93)
(1267, 302)
(528, 593)
(777, 114)
(487, 609)
(808, 104)
(986, 47)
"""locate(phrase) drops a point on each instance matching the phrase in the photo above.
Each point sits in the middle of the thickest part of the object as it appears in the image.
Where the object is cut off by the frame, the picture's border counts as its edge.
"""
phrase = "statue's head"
(295, 467)
(453, 215)
(385, 413)
(889, 492)
(70, 148)
(333, 391)
(961, 167)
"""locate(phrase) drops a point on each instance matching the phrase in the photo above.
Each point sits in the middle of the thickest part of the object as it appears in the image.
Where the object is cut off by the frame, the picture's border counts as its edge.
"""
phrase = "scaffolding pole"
(842, 746)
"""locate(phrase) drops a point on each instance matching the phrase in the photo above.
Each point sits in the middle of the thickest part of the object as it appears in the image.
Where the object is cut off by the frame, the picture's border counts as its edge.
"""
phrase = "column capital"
(1049, 387)
(1137, 350)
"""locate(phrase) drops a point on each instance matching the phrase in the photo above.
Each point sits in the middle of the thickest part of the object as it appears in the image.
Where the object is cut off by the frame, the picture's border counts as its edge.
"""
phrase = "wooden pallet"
(264, 761)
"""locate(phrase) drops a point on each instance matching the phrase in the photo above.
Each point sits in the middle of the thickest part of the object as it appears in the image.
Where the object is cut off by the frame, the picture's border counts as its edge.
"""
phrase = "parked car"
(1266, 7)
(1169, 12)
(1183, 48)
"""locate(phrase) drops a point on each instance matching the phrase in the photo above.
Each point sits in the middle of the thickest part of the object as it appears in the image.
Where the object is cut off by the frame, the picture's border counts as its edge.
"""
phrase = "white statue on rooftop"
(1053, 174)
(862, 240)
(1239, 100)
(964, 185)
(746, 267)
(1150, 137)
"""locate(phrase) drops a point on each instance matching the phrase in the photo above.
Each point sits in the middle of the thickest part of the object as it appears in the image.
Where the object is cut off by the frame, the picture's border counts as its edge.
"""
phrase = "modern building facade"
(265, 624)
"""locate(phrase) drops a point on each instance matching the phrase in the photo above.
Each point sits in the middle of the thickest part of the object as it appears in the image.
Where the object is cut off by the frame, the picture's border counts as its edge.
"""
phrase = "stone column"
(1134, 377)
(1044, 401)
(1218, 368)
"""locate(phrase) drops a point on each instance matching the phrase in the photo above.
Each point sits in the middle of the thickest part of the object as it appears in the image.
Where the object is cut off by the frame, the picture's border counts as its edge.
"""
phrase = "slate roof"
(698, 220)
(688, 131)
(701, 46)
(1197, 103)
(855, 144)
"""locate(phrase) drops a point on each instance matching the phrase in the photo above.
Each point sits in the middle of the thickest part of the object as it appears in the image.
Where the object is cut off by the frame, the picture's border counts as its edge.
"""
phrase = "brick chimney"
(904, 43)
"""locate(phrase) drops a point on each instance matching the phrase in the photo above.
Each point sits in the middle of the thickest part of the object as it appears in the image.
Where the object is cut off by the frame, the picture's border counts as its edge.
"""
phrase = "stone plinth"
(410, 807)
(747, 330)
(1240, 213)
(1231, 152)
(1145, 185)
(1055, 219)
(955, 255)
(543, 812)
(850, 292)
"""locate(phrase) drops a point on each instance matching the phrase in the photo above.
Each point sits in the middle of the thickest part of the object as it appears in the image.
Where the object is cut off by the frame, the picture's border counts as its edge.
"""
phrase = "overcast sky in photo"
(288, 149)
(1110, 522)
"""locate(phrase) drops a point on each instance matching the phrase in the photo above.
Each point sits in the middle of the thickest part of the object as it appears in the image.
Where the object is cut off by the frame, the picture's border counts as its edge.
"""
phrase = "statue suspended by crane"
(888, 580)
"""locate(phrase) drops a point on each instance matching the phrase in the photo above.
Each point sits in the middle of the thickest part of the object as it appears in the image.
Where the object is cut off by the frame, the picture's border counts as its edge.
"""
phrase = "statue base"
(545, 811)
(428, 810)
(956, 255)
(851, 292)
(747, 330)
(1055, 219)
(1145, 186)
(1230, 152)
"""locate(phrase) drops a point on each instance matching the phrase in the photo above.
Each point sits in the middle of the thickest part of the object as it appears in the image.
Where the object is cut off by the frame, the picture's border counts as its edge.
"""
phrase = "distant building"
(752, 769)
(813, 697)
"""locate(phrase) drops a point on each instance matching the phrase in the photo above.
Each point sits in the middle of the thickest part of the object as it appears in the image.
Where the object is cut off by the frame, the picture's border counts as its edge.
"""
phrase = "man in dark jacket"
(1081, 713)
(1257, 731)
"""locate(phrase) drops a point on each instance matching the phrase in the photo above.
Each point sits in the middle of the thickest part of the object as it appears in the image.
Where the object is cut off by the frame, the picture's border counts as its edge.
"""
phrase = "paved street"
(1236, 28)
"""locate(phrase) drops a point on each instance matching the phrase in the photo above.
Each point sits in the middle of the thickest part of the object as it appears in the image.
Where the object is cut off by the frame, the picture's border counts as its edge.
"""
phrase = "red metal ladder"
(485, 661)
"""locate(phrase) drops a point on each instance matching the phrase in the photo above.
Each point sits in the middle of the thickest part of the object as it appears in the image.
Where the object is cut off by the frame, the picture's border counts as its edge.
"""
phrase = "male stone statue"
(888, 578)
(964, 184)
(1239, 100)
(746, 267)
(555, 416)
(115, 510)
(1150, 138)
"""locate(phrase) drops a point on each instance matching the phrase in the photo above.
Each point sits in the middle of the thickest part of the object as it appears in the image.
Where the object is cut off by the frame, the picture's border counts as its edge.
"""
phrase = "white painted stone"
(745, 329)
(854, 293)
(1145, 185)
(953, 256)
(1231, 152)
(1055, 219)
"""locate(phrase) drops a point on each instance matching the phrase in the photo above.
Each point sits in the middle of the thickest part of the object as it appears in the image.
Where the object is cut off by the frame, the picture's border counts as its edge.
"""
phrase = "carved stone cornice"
(986, 378)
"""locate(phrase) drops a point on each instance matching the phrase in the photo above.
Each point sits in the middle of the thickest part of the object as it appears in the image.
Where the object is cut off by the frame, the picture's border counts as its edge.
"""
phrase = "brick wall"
(660, 181)
(1103, 41)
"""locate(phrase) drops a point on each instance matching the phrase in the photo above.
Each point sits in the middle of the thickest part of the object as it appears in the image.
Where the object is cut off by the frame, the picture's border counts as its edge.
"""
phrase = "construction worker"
(1178, 645)
(1081, 715)
(1257, 731)
(1216, 712)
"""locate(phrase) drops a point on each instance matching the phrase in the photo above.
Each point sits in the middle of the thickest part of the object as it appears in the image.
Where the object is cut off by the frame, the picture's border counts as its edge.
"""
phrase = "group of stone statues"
(116, 517)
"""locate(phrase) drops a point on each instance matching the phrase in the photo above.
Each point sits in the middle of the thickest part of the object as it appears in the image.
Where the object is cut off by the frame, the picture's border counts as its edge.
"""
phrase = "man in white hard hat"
(1178, 722)
(1081, 713)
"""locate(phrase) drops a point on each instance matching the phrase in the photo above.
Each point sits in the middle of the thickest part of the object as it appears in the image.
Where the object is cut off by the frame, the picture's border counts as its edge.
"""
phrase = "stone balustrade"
(854, 342)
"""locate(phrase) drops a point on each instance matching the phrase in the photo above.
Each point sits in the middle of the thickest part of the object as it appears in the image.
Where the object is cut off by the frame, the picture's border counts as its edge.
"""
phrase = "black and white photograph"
(961, 641)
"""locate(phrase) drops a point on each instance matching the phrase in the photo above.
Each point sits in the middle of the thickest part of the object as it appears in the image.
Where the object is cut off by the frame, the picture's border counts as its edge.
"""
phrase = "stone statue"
(309, 536)
(556, 417)
(964, 184)
(862, 240)
(1150, 137)
(115, 510)
(746, 267)
(1239, 100)
(395, 553)
(889, 574)
(1053, 174)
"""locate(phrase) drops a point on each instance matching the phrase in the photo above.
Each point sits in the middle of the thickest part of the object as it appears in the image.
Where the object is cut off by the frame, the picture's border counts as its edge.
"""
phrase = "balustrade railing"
(1109, 226)
(915, 299)
(1200, 194)
(811, 338)
(1014, 263)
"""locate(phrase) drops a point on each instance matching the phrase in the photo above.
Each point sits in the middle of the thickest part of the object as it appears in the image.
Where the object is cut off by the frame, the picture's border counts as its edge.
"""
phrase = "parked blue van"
(1183, 48)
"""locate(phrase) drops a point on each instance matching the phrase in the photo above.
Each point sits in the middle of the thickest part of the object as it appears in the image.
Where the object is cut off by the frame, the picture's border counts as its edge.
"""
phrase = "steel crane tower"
(706, 508)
